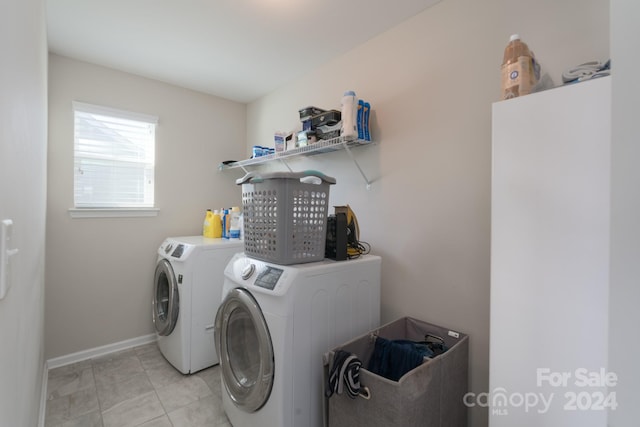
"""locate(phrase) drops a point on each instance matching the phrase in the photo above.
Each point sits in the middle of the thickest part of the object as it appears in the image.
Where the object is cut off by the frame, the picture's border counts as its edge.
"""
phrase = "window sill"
(112, 212)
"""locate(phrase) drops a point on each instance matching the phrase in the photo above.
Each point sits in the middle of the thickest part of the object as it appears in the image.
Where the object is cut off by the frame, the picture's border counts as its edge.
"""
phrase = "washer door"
(244, 346)
(165, 298)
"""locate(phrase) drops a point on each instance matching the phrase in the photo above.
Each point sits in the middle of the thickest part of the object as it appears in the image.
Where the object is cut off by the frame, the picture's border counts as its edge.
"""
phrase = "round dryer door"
(165, 298)
(244, 346)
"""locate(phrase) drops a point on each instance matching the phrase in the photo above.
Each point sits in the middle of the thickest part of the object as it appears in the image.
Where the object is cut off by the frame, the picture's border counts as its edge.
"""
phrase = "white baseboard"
(57, 362)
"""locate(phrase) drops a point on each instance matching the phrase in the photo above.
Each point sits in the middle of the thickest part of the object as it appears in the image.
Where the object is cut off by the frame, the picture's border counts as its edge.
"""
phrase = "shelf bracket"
(282, 160)
(348, 150)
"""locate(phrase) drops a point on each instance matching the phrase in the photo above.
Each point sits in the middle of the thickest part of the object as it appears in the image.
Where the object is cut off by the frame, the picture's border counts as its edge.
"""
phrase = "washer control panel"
(178, 251)
(171, 248)
(260, 276)
(268, 277)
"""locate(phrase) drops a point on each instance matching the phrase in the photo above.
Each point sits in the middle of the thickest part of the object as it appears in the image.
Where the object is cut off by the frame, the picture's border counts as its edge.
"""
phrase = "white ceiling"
(236, 49)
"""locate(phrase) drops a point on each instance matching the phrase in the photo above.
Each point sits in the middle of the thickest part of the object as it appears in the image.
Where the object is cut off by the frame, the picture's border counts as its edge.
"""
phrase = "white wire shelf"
(322, 146)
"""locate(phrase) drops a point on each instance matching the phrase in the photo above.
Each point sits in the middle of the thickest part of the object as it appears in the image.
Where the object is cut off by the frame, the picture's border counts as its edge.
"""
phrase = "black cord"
(355, 249)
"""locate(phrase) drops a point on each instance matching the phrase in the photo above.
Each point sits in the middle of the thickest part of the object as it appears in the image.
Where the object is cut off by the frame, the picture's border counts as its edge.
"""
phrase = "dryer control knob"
(248, 270)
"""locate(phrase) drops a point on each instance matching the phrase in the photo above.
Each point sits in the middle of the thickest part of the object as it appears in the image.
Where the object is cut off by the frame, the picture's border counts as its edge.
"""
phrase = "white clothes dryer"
(188, 281)
(274, 325)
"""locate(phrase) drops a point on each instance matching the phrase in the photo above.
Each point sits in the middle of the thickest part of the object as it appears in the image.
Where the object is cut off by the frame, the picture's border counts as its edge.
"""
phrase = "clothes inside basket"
(394, 358)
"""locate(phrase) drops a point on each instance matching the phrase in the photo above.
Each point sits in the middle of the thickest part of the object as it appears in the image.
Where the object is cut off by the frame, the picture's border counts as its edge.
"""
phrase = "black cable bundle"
(357, 248)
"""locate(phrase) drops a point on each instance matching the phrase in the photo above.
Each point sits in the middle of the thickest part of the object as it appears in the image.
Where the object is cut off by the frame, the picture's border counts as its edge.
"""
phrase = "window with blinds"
(114, 153)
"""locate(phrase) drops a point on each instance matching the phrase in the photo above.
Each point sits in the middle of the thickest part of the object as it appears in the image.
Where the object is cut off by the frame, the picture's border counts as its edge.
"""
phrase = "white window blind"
(114, 155)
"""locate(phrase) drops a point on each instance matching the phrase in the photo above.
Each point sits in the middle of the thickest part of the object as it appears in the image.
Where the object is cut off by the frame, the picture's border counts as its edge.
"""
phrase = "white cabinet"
(550, 258)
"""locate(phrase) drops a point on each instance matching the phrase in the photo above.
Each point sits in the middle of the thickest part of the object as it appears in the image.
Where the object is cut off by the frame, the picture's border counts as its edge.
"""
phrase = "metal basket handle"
(256, 178)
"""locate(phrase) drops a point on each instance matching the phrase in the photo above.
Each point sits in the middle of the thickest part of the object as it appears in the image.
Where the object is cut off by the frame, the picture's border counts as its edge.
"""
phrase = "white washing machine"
(187, 283)
(274, 325)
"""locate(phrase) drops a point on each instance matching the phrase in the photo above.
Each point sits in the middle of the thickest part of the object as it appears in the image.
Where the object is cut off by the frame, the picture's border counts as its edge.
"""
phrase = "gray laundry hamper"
(285, 215)
(430, 395)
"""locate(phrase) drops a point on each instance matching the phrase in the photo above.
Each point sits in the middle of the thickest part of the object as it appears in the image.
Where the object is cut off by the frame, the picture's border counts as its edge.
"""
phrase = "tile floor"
(135, 387)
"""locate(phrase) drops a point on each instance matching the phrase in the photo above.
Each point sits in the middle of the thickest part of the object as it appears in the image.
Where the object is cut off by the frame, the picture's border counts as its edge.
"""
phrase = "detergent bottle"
(234, 223)
(207, 226)
(226, 223)
(217, 224)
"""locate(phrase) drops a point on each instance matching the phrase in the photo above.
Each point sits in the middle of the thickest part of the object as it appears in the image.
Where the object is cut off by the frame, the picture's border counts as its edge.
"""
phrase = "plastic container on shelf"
(360, 119)
(518, 69)
(279, 141)
(349, 114)
(365, 121)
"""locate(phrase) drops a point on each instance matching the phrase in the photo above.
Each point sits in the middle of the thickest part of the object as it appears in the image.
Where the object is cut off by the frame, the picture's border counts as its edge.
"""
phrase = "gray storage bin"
(430, 395)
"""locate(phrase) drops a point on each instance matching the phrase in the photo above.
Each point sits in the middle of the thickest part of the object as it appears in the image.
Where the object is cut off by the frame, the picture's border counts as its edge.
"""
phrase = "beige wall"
(431, 82)
(23, 186)
(99, 271)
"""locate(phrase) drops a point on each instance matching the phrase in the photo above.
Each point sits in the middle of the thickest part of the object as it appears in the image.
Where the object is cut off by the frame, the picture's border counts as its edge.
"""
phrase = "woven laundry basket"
(430, 395)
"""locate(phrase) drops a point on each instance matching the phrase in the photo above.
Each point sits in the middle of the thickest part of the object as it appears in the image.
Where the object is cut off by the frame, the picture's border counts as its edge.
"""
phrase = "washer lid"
(243, 343)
